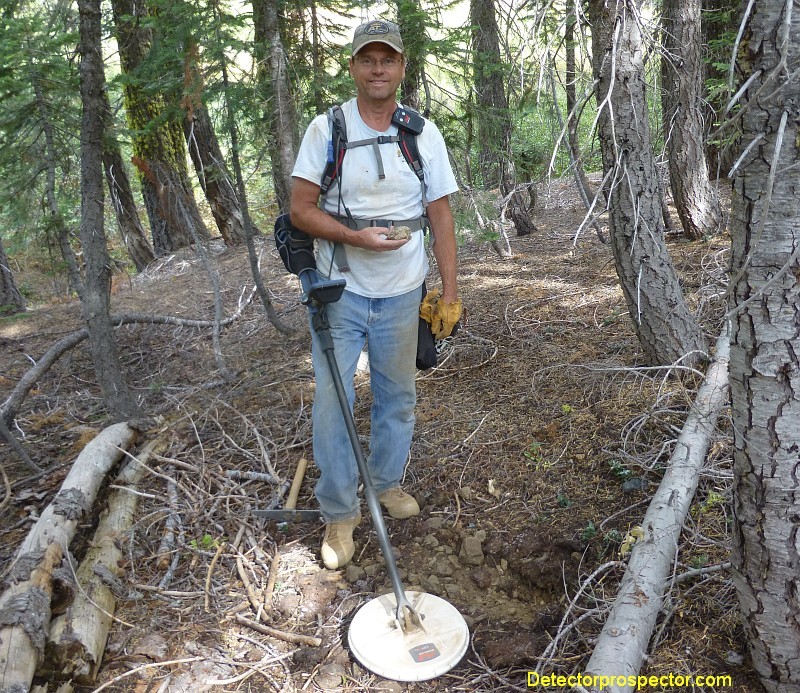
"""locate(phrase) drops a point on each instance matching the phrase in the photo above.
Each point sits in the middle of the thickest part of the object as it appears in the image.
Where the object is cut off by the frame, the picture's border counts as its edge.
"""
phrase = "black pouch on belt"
(296, 247)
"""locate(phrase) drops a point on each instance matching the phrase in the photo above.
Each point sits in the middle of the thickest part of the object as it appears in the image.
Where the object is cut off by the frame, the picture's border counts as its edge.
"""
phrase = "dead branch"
(622, 645)
(295, 638)
(10, 407)
(167, 545)
(42, 549)
(60, 519)
(14, 444)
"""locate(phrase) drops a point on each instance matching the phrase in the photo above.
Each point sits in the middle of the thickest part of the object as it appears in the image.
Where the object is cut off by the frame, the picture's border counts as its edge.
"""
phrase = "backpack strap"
(409, 124)
(410, 151)
(337, 144)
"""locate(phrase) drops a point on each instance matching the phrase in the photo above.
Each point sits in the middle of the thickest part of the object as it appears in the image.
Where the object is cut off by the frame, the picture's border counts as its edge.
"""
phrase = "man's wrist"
(449, 296)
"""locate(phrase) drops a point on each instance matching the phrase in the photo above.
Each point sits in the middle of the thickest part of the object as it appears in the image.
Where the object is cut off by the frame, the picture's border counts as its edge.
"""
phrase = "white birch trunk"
(622, 645)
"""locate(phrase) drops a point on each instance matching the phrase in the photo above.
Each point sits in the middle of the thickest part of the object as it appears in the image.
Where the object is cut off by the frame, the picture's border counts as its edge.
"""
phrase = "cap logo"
(376, 28)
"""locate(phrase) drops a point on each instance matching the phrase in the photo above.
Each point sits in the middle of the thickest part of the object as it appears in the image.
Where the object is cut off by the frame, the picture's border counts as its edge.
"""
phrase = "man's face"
(377, 71)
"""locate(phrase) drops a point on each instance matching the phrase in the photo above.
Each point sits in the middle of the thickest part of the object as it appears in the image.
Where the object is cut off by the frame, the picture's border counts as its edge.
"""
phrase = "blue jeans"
(388, 326)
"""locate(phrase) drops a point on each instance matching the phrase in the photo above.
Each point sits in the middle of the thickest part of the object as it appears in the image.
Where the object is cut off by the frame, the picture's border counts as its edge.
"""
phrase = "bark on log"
(78, 492)
(622, 645)
(24, 617)
(78, 637)
(26, 604)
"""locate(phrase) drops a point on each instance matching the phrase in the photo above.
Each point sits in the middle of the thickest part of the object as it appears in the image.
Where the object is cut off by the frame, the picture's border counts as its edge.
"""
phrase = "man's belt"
(417, 224)
(339, 254)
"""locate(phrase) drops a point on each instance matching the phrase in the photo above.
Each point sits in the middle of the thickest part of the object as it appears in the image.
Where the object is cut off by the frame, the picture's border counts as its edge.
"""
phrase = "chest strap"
(374, 141)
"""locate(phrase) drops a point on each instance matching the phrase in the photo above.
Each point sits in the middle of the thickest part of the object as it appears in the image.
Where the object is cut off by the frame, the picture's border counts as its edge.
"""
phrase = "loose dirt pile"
(538, 444)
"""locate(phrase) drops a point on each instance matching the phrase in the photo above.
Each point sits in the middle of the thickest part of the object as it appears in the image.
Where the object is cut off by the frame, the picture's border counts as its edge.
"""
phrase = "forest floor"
(539, 442)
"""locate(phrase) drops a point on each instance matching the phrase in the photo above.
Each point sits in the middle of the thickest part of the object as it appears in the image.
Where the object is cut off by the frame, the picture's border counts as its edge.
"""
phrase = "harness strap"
(339, 252)
(375, 142)
(418, 224)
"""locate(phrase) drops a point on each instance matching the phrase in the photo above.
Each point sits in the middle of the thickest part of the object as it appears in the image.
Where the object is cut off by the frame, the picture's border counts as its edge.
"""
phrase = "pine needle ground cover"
(539, 440)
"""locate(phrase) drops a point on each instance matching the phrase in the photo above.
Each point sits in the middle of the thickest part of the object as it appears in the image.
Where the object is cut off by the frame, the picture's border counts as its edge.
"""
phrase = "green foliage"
(39, 117)
(534, 454)
(204, 543)
(713, 500)
(619, 470)
(613, 538)
(589, 532)
(563, 500)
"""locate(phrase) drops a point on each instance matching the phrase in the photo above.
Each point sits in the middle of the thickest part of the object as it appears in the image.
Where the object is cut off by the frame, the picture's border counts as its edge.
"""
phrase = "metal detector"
(404, 637)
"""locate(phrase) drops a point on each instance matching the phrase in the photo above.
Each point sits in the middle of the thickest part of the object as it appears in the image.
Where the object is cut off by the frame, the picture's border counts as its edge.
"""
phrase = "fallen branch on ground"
(622, 645)
(294, 638)
(78, 636)
(24, 617)
(41, 551)
(10, 407)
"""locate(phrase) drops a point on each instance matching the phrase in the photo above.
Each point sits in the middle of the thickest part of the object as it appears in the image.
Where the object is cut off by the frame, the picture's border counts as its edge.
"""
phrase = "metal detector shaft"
(319, 321)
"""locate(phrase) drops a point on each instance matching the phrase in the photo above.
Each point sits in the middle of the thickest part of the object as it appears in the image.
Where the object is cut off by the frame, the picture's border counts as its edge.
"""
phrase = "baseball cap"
(379, 31)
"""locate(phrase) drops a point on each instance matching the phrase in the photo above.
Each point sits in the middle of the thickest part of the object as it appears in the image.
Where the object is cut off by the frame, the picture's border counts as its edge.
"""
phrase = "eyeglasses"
(365, 61)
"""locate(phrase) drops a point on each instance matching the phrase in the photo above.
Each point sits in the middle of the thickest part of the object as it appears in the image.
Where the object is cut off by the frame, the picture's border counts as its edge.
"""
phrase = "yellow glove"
(441, 315)
(428, 305)
(445, 317)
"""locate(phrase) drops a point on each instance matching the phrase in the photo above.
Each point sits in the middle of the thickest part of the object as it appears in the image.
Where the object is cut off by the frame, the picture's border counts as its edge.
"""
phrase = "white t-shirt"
(376, 274)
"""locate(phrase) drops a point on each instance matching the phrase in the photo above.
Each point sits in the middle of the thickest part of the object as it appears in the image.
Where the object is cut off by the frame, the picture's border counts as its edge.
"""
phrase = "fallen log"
(43, 547)
(24, 617)
(78, 492)
(78, 637)
(623, 642)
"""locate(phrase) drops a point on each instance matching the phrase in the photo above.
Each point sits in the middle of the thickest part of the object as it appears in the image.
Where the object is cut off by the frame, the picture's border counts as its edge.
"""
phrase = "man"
(380, 305)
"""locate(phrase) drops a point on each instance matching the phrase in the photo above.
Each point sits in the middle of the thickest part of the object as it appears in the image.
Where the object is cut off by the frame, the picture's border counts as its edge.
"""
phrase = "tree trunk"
(667, 331)
(11, 300)
(162, 145)
(119, 189)
(130, 225)
(97, 276)
(56, 220)
(765, 351)
(695, 198)
(215, 180)
(317, 61)
(718, 16)
(494, 118)
(491, 106)
(280, 115)
(263, 294)
(207, 157)
(571, 77)
(411, 20)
